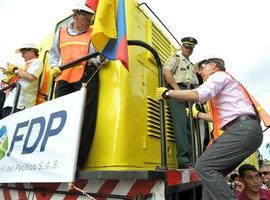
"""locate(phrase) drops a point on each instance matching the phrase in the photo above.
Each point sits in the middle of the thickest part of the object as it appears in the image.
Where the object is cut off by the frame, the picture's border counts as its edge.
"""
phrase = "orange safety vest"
(73, 47)
(263, 115)
(215, 133)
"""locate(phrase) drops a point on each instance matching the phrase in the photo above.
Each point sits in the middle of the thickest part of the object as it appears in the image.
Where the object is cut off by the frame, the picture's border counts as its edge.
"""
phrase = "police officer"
(179, 72)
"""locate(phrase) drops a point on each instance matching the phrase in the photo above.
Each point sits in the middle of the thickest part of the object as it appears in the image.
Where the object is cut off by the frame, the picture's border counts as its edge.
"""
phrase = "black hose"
(161, 103)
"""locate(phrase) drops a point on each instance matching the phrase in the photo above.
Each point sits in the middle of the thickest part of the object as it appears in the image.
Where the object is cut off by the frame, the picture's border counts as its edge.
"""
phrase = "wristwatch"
(16, 71)
(166, 95)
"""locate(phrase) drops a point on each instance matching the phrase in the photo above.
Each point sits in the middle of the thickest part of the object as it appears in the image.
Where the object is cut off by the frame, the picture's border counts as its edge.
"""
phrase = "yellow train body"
(127, 135)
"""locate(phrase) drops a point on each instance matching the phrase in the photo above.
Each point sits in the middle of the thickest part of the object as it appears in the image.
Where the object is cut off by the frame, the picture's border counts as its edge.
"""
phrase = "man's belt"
(91, 65)
(184, 84)
(240, 118)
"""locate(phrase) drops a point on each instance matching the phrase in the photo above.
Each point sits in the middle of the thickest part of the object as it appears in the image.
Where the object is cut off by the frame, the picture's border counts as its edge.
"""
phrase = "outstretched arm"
(185, 95)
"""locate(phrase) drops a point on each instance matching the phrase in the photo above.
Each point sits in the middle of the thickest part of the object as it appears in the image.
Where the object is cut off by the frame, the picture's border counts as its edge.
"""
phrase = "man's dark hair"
(218, 61)
(36, 52)
(233, 177)
(246, 167)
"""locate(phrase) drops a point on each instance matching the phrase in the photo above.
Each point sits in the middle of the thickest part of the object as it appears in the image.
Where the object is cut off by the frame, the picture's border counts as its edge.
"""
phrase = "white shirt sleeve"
(54, 54)
(211, 87)
(35, 68)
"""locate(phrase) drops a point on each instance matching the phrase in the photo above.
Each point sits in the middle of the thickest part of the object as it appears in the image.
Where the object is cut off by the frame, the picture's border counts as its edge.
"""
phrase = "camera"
(231, 185)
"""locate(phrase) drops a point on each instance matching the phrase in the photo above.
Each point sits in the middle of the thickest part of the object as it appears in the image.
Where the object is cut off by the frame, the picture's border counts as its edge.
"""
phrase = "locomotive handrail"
(160, 84)
(160, 22)
(66, 66)
(41, 75)
(190, 86)
(17, 94)
(198, 131)
(161, 103)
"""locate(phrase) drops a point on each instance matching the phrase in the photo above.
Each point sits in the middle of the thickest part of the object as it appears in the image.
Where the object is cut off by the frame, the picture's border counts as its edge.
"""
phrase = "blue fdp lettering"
(51, 132)
(48, 133)
(17, 137)
(41, 122)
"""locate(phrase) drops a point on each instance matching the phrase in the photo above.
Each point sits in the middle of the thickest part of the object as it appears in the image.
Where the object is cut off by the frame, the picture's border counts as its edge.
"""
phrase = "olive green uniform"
(183, 73)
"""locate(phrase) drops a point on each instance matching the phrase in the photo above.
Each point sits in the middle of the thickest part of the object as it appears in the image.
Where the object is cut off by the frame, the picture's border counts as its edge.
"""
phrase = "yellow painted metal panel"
(127, 133)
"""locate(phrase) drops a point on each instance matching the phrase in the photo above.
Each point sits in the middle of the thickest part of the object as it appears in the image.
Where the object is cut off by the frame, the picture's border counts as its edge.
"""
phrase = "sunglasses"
(264, 173)
(83, 13)
(188, 47)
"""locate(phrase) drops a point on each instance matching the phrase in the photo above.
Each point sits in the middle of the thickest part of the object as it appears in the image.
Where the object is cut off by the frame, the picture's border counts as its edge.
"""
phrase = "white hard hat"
(27, 46)
(83, 7)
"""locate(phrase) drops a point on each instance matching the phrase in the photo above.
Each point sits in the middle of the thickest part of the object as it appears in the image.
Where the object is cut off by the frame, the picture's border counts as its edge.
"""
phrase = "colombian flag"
(109, 30)
(92, 4)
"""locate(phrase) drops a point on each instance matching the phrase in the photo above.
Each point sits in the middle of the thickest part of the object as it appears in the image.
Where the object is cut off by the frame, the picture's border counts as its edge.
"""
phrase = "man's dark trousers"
(180, 128)
(89, 120)
(235, 144)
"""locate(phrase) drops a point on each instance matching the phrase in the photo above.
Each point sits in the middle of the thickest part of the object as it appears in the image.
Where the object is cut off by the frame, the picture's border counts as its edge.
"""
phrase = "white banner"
(40, 144)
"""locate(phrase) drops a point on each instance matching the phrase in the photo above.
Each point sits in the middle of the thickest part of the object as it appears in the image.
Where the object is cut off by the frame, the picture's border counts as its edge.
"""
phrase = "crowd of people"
(249, 183)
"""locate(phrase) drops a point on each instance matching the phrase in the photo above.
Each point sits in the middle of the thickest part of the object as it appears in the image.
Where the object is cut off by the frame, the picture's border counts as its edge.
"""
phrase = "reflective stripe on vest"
(216, 132)
(73, 47)
(264, 116)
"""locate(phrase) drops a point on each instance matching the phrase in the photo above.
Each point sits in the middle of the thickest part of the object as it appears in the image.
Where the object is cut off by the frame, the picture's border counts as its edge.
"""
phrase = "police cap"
(189, 42)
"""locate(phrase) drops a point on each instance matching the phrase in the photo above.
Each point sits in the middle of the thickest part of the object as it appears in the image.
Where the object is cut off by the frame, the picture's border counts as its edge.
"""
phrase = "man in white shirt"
(27, 77)
(71, 43)
(233, 112)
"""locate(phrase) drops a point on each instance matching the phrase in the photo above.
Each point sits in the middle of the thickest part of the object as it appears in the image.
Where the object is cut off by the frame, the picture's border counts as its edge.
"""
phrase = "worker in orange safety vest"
(71, 43)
